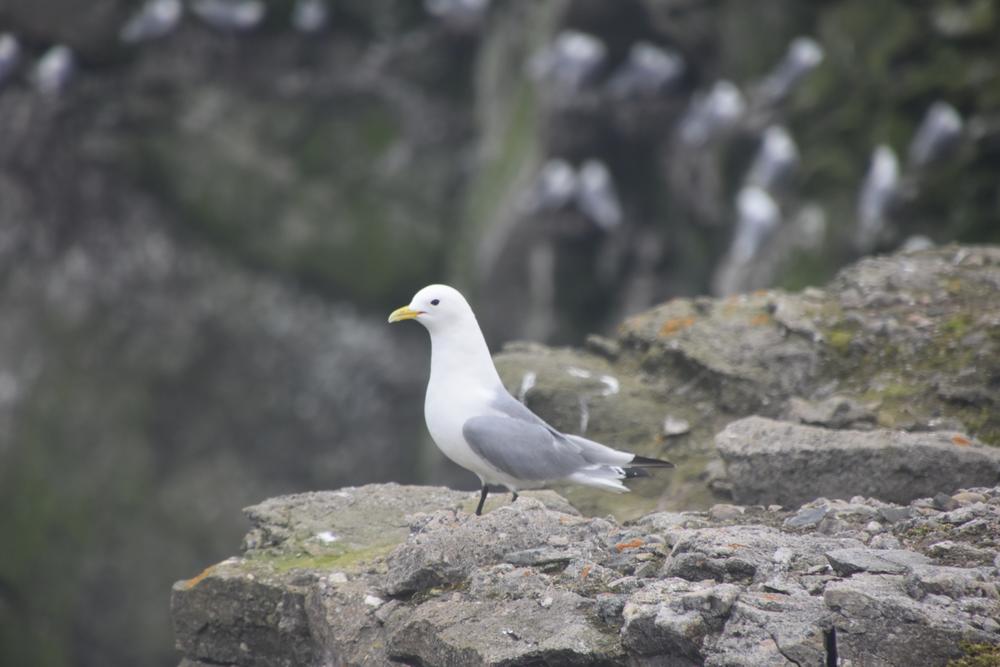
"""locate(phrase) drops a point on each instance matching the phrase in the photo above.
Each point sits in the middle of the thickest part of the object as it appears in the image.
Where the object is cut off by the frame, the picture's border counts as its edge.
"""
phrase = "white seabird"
(481, 427)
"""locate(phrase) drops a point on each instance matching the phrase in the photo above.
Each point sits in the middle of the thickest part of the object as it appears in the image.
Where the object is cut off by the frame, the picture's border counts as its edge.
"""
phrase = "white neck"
(462, 352)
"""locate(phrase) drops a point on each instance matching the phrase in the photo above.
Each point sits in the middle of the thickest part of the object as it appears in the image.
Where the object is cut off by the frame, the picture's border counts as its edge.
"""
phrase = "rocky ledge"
(385, 574)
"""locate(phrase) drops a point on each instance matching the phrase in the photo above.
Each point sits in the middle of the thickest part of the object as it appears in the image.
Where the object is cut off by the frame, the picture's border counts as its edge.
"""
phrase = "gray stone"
(459, 631)
(746, 553)
(807, 517)
(770, 461)
(434, 587)
(888, 561)
(837, 412)
(448, 547)
(867, 606)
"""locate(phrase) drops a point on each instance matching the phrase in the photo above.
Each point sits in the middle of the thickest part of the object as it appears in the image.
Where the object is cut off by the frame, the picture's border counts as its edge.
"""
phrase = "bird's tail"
(646, 462)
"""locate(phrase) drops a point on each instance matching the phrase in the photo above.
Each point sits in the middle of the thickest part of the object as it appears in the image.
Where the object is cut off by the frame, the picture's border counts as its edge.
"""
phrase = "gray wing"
(506, 404)
(523, 450)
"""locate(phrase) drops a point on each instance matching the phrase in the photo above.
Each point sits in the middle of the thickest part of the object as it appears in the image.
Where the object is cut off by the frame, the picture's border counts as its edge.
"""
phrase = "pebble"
(968, 497)
(724, 512)
(675, 426)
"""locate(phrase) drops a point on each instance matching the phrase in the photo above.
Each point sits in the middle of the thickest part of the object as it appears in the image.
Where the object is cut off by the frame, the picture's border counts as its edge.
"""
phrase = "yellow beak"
(404, 313)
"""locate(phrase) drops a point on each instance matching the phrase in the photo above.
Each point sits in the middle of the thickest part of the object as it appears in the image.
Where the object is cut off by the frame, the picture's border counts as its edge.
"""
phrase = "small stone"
(724, 512)
(874, 527)
(675, 426)
(374, 600)
(944, 502)
(876, 561)
(884, 541)
(545, 602)
(337, 578)
(558, 540)
(895, 514)
(806, 518)
(968, 497)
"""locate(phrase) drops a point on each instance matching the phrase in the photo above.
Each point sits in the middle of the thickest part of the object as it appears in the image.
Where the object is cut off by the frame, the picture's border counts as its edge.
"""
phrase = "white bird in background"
(757, 217)
(648, 71)
(572, 60)
(939, 132)
(154, 19)
(591, 189)
(712, 114)
(481, 427)
(596, 196)
(54, 70)
(10, 55)
(803, 56)
(878, 192)
(310, 16)
(230, 15)
(462, 14)
(776, 159)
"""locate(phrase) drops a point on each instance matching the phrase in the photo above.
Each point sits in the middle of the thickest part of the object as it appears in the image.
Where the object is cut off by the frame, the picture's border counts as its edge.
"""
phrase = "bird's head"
(437, 307)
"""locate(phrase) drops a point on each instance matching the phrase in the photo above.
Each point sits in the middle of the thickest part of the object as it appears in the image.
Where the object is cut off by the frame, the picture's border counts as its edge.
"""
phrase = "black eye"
(435, 302)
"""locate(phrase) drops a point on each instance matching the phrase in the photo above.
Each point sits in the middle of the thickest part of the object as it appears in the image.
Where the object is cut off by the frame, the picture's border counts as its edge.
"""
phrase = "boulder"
(384, 574)
(769, 461)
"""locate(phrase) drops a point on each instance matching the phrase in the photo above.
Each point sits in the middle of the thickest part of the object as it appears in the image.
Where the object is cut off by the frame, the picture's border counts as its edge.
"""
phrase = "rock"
(910, 632)
(745, 553)
(835, 412)
(769, 461)
(457, 631)
(721, 512)
(807, 517)
(526, 584)
(889, 561)
(436, 556)
(968, 497)
(673, 617)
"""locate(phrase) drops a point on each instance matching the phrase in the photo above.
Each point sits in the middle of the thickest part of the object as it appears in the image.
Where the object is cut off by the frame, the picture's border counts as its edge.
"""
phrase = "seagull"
(477, 424)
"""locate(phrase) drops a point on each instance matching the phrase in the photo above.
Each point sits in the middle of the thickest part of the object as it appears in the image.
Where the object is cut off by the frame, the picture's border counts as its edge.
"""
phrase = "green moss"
(839, 339)
(977, 655)
(336, 559)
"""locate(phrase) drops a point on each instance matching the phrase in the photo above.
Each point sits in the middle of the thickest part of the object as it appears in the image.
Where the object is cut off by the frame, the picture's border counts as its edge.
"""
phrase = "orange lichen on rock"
(585, 571)
(961, 440)
(760, 319)
(631, 544)
(676, 324)
(194, 581)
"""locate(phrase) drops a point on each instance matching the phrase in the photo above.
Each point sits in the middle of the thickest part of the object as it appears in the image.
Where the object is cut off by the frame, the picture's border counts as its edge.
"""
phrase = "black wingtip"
(632, 473)
(647, 462)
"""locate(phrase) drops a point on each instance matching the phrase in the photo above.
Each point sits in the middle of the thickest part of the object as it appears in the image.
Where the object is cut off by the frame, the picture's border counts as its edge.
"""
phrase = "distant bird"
(649, 71)
(878, 193)
(596, 196)
(10, 56)
(712, 114)
(757, 217)
(776, 160)
(590, 189)
(310, 16)
(230, 15)
(156, 18)
(803, 56)
(554, 187)
(569, 62)
(461, 14)
(54, 70)
(939, 133)
(481, 427)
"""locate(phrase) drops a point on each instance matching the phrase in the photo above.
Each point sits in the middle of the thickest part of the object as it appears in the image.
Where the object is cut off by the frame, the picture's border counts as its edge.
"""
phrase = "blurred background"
(209, 207)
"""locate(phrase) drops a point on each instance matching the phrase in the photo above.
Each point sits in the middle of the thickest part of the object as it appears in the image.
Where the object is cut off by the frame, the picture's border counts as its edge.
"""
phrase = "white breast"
(447, 414)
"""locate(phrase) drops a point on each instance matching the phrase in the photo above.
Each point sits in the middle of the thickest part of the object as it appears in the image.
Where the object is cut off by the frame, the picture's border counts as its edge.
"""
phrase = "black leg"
(514, 496)
(482, 500)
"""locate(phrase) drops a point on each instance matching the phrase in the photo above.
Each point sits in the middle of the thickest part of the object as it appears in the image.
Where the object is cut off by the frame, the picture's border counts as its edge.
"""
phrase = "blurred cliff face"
(207, 208)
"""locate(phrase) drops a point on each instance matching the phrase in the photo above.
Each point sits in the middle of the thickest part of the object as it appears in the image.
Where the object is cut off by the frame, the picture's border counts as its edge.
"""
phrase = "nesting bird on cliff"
(481, 427)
